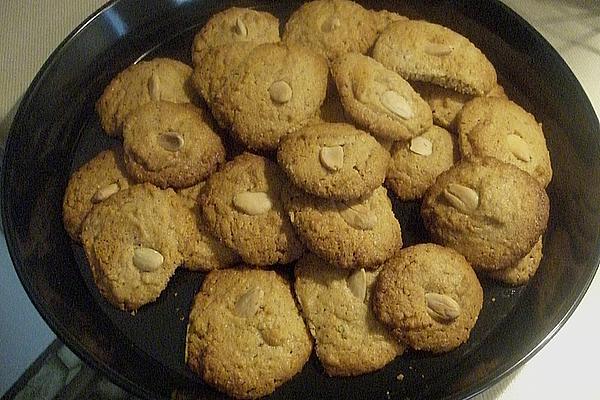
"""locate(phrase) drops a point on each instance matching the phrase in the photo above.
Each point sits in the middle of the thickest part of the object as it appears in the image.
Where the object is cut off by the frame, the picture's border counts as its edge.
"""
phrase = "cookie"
(335, 303)
(201, 251)
(332, 27)
(276, 90)
(430, 296)
(234, 25)
(500, 128)
(416, 163)
(141, 83)
(489, 211)
(241, 205)
(171, 145)
(333, 161)
(423, 51)
(92, 183)
(379, 99)
(523, 270)
(245, 335)
(354, 234)
(445, 103)
(132, 242)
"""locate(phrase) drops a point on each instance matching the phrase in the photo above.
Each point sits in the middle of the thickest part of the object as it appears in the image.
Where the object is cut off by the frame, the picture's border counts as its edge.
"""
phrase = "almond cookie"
(430, 296)
(171, 145)
(352, 234)
(489, 211)
(92, 183)
(333, 161)
(417, 162)
(445, 103)
(379, 99)
(241, 205)
(523, 270)
(131, 241)
(336, 305)
(502, 129)
(245, 335)
(201, 251)
(141, 83)
(233, 25)
(423, 51)
(276, 90)
(332, 27)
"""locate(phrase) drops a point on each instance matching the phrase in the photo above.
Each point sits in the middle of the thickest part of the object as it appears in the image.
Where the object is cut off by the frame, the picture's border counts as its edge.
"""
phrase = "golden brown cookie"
(333, 161)
(245, 335)
(523, 270)
(171, 145)
(423, 51)
(499, 128)
(417, 162)
(94, 182)
(489, 211)
(235, 25)
(430, 296)
(379, 99)
(132, 242)
(141, 83)
(336, 305)
(353, 234)
(276, 90)
(332, 27)
(241, 205)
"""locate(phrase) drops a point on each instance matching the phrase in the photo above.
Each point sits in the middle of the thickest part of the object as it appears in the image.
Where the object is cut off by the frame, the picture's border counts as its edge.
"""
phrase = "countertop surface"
(565, 368)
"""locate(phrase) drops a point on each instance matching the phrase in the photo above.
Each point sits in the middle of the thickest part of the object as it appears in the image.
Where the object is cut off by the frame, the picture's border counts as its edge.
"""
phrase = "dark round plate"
(56, 130)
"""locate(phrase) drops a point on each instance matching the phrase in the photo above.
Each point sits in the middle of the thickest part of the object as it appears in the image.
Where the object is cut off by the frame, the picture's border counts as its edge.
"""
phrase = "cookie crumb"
(400, 377)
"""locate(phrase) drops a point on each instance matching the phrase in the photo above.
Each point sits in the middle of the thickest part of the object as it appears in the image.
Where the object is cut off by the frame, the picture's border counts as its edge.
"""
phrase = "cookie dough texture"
(333, 161)
(383, 18)
(171, 145)
(502, 129)
(351, 234)
(276, 90)
(92, 183)
(332, 27)
(349, 339)
(235, 25)
(416, 163)
(264, 238)
(379, 99)
(523, 270)
(141, 217)
(141, 83)
(245, 335)
(406, 282)
(423, 51)
(489, 211)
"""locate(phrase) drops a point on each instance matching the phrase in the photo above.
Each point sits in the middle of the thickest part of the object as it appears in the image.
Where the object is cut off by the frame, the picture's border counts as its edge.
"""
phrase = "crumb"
(410, 367)
(400, 377)
(175, 294)
(387, 393)
(493, 299)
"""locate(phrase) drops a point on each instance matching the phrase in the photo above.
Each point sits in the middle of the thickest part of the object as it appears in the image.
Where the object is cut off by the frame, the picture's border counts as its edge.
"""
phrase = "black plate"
(56, 129)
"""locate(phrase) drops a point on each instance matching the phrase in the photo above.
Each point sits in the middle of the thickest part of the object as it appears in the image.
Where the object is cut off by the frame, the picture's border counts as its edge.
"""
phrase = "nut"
(442, 307)
(146, 259)
(518, 147)
(331, 24)
(332, 157)
(280, 92)
(247, 305)
(397, 104)
(359, 216)
(171, 141)
(357, 283)
(240, 28)
(252, 203)
(421, 145)
(154, 87)
(438, 49)
(461, 197)
(105, 192)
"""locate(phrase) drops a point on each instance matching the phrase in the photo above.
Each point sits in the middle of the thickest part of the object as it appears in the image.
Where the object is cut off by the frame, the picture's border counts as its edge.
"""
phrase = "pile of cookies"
(320, 123)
